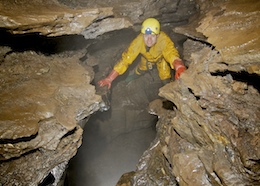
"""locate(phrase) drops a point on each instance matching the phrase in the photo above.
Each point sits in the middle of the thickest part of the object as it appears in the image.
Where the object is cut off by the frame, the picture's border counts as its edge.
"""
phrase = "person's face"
(150, 39)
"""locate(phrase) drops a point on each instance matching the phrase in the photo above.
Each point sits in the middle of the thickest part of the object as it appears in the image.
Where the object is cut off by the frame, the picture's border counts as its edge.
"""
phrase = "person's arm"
(172, 56)
(129, 55)
(127, 59)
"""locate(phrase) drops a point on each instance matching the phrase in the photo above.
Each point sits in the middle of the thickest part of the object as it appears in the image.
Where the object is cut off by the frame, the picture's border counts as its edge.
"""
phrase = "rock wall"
(51, 18)
(211, 137)
(43, 99)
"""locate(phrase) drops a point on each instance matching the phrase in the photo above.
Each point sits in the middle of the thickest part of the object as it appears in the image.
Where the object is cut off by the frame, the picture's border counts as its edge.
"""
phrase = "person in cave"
(156, 49)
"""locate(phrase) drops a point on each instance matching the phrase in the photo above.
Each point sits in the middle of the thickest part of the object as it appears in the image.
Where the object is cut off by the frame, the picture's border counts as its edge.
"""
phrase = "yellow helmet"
(150, 26)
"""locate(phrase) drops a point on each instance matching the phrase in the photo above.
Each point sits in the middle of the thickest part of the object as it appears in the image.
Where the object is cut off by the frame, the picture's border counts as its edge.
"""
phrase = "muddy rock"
(42, 100)
(54, 19)
(211, 137)
(210, 134)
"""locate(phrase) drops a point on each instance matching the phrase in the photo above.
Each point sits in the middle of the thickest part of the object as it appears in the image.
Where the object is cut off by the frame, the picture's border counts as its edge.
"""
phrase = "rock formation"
(54, 19)
(212, 135)
(42, 100)
(209, 135)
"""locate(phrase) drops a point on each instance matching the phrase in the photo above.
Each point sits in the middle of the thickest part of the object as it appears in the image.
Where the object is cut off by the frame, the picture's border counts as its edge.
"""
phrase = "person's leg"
(164, 71)
(139, 70)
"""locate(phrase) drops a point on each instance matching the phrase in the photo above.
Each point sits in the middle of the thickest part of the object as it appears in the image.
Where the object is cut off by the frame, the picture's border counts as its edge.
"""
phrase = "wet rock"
(211, 120)
(137, 11)
(54, 19)
(107, 25)
(235, 19)
(42, 100)
(221, 24)
(160, 107)
(212, 139)
(22, 170)
(125, 179)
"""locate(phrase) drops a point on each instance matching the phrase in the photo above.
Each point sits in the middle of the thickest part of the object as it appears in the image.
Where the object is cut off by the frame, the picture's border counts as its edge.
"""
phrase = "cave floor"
(105, 155)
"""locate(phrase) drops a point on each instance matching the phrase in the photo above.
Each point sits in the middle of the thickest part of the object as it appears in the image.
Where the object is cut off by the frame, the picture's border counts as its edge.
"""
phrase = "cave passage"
(114, 140)
(42, 44)
(107, 153)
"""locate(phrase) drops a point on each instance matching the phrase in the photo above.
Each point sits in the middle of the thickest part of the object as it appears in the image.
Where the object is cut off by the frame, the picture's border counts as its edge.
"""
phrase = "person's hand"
(105, 81)
(179, 68)
(108, 80)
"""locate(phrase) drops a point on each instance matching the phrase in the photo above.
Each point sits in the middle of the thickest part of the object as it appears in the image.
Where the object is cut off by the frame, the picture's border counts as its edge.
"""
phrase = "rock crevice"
(209, 136)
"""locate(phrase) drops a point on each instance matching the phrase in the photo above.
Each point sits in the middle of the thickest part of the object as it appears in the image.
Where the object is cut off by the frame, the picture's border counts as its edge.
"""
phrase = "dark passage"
(107, 153)
(114, 141)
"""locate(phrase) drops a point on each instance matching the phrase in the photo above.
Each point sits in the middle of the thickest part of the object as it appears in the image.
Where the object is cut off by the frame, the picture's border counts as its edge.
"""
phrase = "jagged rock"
(212, 137)
(224, 24)
(54, 19)
(137, 10)
(232, 27)
(91, 18)
(103, 26)
(211, 117)
(42, 99)
(33, 167)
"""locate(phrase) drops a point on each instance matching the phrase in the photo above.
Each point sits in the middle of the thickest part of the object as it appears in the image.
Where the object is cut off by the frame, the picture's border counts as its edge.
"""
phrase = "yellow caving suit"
(162, 53)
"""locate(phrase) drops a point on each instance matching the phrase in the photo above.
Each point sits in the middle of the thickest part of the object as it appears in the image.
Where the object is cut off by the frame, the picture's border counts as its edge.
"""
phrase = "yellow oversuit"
(163, 53)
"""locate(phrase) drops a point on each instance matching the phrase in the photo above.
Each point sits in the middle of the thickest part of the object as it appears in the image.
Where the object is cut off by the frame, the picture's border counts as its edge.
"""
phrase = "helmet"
(150, 26)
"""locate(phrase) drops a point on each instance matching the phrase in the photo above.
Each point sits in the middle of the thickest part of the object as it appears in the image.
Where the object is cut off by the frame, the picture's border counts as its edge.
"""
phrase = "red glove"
(179, 67)
(108, 80)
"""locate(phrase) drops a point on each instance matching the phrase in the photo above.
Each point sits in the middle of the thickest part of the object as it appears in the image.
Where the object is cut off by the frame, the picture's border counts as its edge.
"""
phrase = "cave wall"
(46, 97)
(43, 99)
(210, 136)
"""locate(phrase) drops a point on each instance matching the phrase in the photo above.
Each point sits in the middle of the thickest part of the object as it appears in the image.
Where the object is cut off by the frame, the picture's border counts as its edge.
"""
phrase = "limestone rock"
(42, 100)
(54, 19)
(89, 18)
(232, 27)
(103, 26)
(31, 168)
(136, 11)
(212, 137)
(239, 21)
(214, 120)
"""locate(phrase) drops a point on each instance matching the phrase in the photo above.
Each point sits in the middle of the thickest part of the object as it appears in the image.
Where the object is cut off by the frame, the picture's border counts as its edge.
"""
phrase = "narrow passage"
(106, 154)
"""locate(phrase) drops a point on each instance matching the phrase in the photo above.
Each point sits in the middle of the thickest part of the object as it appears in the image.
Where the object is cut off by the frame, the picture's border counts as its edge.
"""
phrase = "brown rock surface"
(211, 122)
(210, 138)
(213, 137)
(54, 19)
(42, 99)
(233, 28)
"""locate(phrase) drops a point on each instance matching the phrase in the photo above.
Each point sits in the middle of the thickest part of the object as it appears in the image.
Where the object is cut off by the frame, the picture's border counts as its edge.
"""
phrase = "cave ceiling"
(220, 26)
